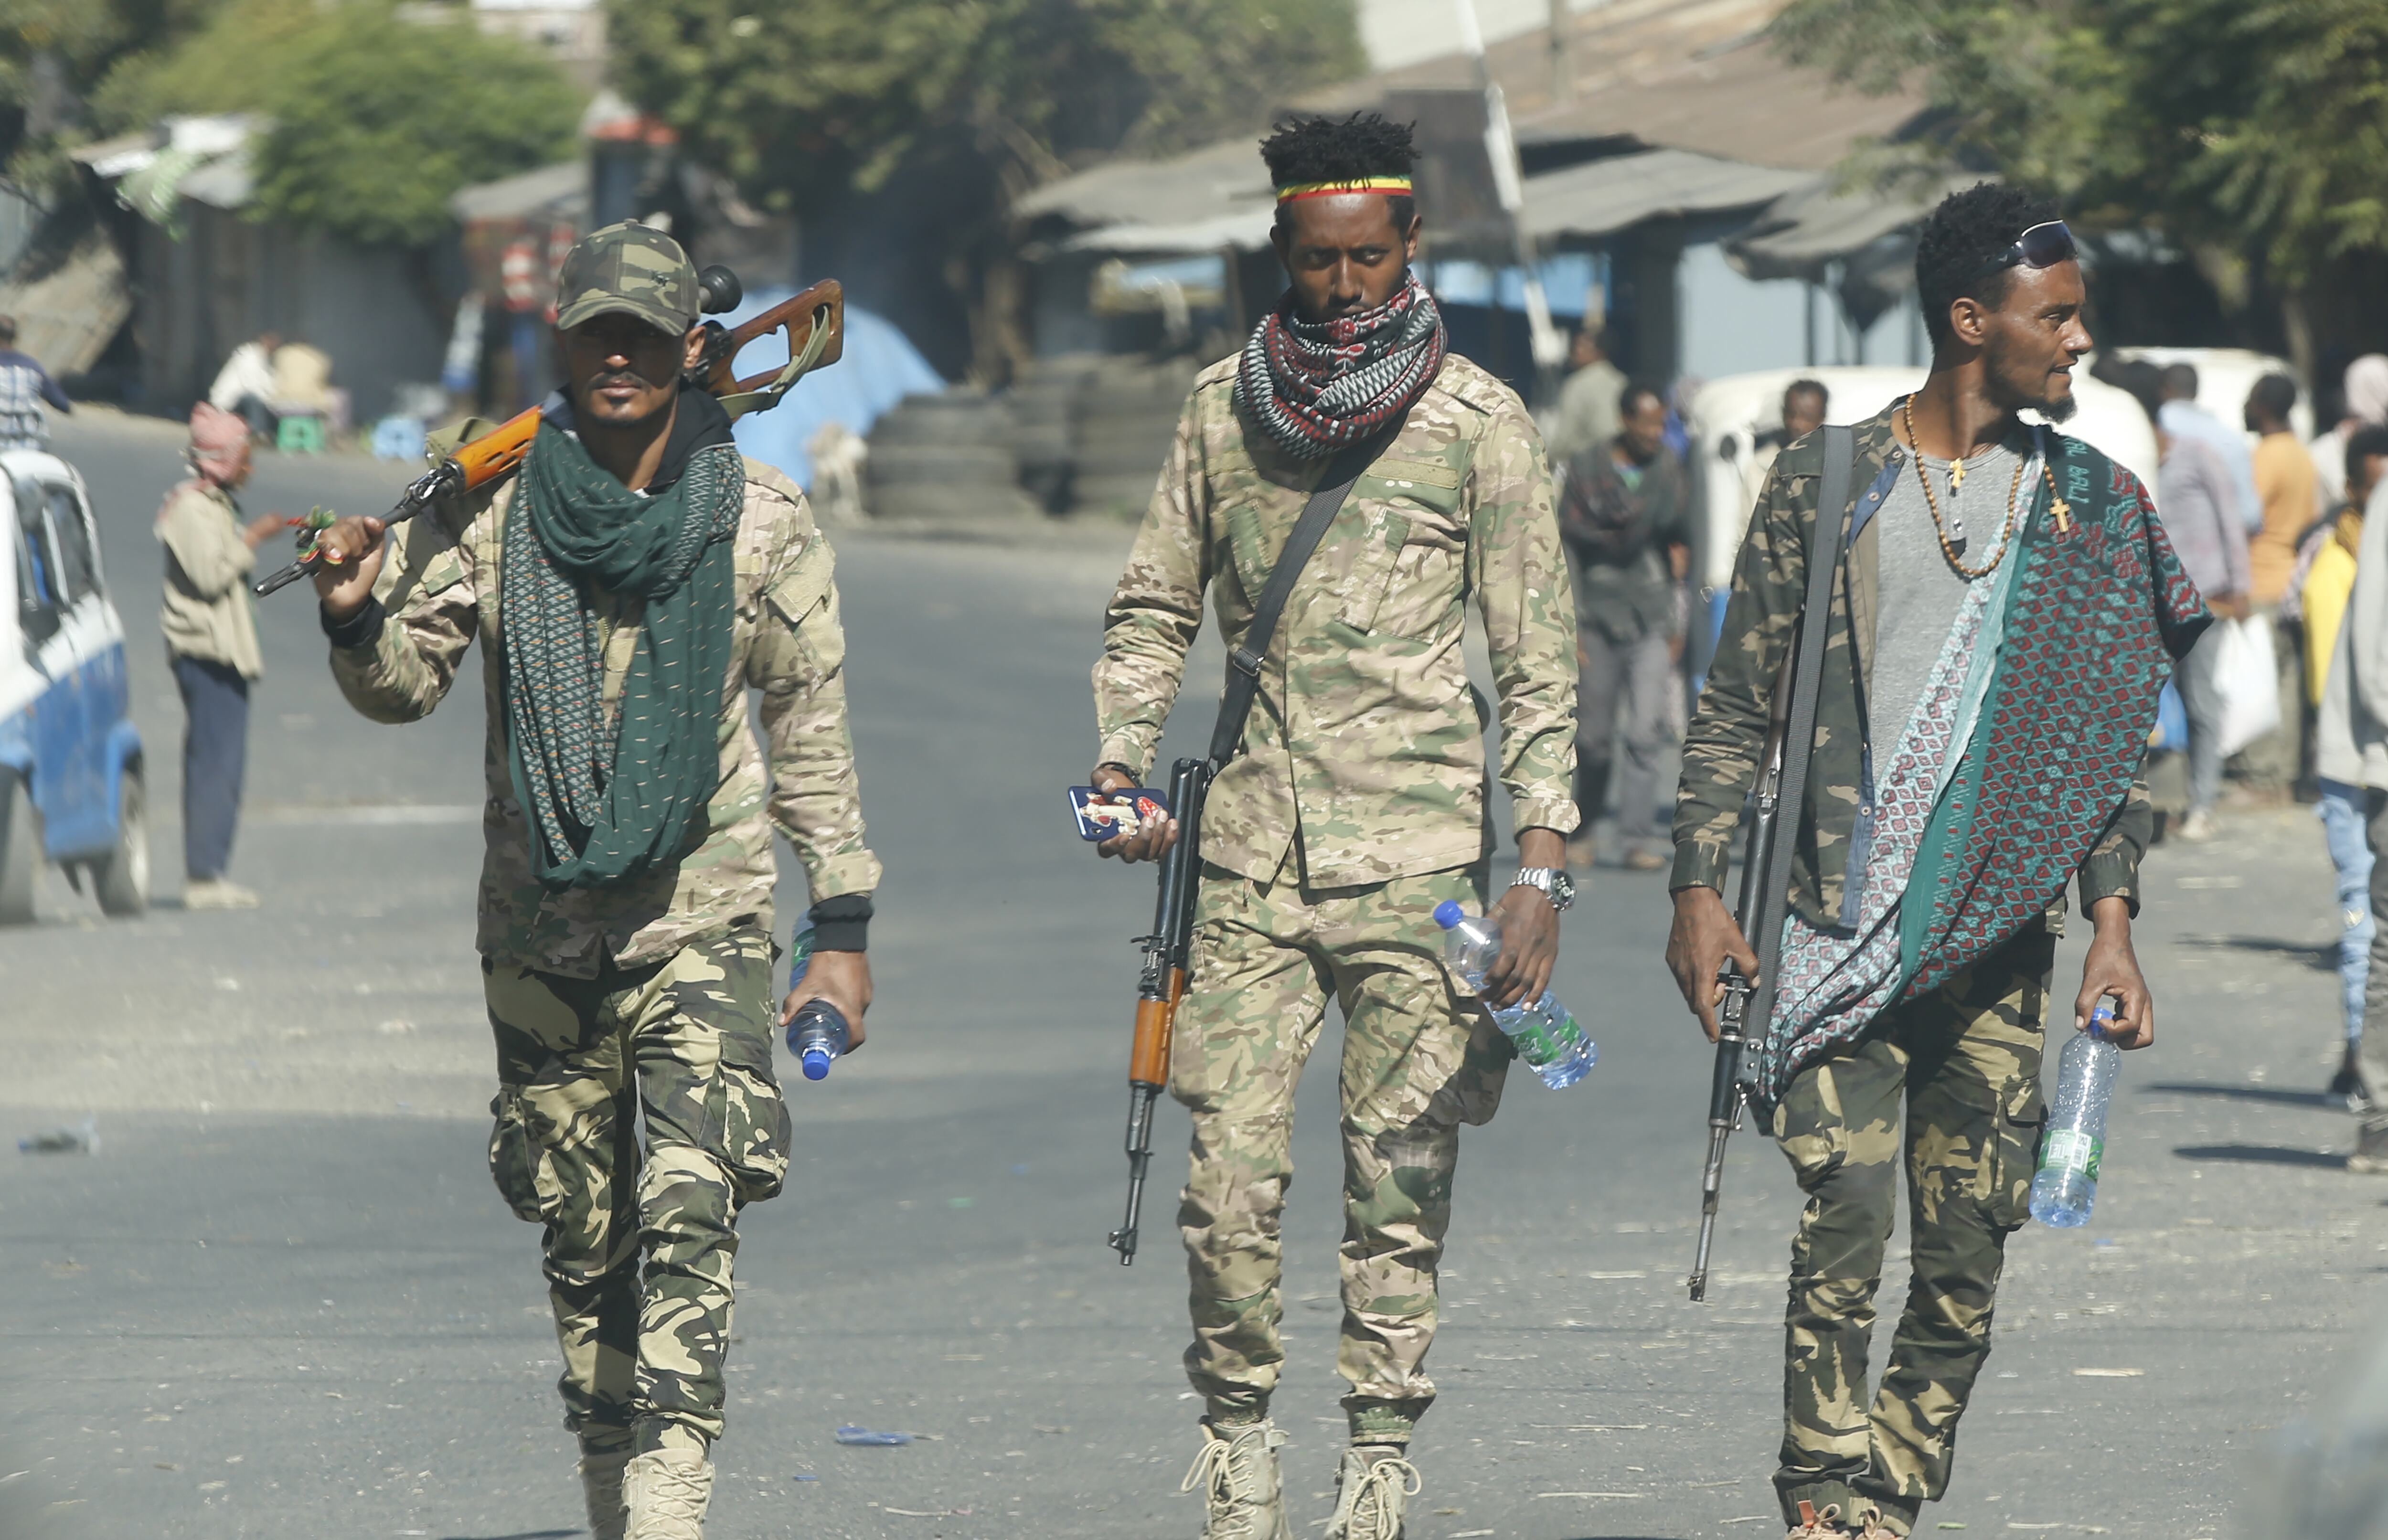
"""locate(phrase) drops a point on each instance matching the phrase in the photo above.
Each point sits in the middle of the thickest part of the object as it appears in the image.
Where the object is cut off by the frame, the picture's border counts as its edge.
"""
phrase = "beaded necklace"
(1954, 551)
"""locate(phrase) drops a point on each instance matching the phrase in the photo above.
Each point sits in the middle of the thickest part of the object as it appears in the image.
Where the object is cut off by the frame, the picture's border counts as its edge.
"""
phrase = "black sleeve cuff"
(842, 924)
(361, 629)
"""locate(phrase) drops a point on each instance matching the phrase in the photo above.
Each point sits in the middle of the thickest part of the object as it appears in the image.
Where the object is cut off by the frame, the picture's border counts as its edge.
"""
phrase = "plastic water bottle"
(1547, 1035)
(819, 1035)
(2067, 1180)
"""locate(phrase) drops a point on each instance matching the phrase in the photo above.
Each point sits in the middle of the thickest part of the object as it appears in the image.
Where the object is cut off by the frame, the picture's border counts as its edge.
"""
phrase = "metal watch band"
(1555, 885)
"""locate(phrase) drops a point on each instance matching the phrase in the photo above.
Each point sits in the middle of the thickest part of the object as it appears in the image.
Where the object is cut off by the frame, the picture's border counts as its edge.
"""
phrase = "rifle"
(813, 321)
(1735, 1078)
(1745, 1016)
(1161, 985)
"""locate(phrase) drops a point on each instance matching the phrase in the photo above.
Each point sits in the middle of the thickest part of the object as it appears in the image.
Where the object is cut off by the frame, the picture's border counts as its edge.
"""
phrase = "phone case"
(1103, 815)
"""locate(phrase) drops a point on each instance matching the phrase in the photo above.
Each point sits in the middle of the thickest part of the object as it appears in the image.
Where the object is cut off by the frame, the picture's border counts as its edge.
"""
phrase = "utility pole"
(1562, 55)
(1509, 183)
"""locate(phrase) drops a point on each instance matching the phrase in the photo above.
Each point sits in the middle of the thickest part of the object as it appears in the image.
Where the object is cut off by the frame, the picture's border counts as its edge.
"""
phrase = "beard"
(1999, 372)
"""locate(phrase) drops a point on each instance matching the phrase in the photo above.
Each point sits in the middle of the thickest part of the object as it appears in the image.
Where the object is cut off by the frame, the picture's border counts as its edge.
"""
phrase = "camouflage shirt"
(788, 643)
(1728, 732)
(1367, 742)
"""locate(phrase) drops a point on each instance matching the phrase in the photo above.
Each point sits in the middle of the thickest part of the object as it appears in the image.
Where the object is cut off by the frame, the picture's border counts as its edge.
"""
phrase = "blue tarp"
(881, 367)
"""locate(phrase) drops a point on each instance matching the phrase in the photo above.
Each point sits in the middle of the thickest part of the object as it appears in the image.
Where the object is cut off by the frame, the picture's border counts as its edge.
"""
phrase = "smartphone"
(1103, 814)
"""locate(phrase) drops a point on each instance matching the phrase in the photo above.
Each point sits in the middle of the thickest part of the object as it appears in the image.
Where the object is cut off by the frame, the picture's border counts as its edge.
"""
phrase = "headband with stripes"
(1396, 186)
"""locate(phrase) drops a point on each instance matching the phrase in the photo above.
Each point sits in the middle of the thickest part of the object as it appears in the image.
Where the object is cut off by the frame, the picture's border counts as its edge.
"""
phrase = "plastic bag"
(2171, 734)
(2247, 677)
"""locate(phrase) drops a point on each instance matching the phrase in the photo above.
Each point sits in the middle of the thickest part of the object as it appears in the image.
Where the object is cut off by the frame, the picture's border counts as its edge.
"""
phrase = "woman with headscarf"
(211, 626)
(2366, 407)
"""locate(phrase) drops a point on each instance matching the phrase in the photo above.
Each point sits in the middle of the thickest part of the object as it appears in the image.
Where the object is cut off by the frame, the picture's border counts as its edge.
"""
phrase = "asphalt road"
(281, 1298)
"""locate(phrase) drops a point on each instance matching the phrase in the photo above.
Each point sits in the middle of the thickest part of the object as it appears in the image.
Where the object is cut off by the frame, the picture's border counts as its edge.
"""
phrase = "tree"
(375, 120)
(52, 54)
(2252, 130)
(805, 101)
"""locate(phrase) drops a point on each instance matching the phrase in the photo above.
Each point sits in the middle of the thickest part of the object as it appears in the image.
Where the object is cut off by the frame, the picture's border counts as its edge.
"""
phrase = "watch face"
(1562, 888)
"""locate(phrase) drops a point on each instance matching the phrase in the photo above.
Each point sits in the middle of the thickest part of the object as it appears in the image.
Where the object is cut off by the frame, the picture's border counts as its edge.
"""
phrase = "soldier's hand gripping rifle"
(1748, 1006)
(1161, 985)
(814, 322)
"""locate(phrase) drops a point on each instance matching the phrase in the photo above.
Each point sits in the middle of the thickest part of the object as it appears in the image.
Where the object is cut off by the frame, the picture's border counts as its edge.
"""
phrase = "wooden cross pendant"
(2062, 512)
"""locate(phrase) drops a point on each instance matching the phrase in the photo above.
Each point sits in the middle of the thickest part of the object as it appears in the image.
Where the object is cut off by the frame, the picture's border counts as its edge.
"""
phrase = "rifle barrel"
(1139, 1158)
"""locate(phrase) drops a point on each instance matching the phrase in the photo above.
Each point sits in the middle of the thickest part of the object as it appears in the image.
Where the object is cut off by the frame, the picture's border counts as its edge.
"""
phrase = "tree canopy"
(799, 99)
(2256, 125)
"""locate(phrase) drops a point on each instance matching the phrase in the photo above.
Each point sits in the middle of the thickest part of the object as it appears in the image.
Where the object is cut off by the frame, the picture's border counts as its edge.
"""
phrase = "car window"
(78, 573)
(37, 605)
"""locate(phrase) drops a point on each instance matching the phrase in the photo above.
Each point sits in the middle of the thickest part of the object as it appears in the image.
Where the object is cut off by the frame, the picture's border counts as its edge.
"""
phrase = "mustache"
(619, 377)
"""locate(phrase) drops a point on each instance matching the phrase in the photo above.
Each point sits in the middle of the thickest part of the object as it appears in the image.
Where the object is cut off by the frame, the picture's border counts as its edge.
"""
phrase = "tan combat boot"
(600, 1487)
(1814, 1525)
(1373, 1488)
(1871, 1526)
(1236, 1472)
(666, 1492)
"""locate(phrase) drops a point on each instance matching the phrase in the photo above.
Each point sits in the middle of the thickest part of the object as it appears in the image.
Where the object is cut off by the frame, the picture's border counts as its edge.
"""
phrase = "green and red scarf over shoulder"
(2098, 614)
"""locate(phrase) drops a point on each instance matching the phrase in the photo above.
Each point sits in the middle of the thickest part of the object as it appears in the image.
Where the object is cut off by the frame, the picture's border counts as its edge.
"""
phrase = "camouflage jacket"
(789, 645)
(1367, 742)
(1728, 731)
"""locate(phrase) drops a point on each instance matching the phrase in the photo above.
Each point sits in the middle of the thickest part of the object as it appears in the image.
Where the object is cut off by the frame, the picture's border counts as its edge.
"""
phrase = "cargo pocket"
(1484, 1064)
(514, 1155)
(2013, 1154)
(752, 1118)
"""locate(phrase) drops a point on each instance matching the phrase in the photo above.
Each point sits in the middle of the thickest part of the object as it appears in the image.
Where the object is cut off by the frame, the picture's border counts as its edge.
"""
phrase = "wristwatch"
(1556, 885)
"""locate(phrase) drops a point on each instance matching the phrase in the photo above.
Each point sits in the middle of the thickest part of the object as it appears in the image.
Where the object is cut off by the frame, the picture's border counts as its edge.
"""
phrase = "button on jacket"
(1367, 742)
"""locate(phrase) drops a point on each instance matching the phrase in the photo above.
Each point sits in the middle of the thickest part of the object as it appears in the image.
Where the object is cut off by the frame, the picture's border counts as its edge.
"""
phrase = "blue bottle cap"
(817, 1062)
(1448, 913)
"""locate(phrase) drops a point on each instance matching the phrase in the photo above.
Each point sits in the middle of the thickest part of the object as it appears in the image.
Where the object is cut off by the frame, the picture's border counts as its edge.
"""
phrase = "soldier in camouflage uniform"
(1357, 804)
(643, 996)
(1864, 1018)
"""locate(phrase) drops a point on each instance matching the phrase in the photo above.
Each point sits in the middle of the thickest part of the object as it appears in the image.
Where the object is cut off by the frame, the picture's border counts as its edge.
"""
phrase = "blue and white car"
(70, 787)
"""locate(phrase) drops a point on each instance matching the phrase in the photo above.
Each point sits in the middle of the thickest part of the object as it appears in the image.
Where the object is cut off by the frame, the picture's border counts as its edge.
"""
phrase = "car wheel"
(122, 876)
(21, 851)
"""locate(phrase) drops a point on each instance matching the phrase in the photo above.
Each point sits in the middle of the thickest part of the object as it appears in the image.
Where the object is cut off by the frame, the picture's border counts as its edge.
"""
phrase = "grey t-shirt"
(1920, 591)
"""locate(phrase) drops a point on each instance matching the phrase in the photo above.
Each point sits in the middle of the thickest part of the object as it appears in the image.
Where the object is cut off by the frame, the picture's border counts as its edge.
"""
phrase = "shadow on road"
(2322, 958)
(526, 1535)
(2264, 1154)
(2278, 1096)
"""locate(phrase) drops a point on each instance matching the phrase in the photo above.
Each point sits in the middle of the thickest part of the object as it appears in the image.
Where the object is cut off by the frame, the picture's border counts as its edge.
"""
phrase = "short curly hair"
(1959, 242)
(1303, 150)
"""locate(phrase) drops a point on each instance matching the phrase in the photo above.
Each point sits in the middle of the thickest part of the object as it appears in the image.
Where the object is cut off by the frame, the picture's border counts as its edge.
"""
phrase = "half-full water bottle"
(1547, 1037)
(2067, 1180)
(818, 1034)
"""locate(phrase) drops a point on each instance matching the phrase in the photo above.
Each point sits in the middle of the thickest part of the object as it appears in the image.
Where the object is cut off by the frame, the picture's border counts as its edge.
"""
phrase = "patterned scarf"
(610, 794)
(1319, 385)
(2100, 613)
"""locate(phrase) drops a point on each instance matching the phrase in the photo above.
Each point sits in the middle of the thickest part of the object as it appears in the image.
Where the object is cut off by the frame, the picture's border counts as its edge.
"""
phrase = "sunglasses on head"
(2043, 246)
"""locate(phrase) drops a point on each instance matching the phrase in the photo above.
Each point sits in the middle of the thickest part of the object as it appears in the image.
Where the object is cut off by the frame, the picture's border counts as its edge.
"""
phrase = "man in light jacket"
(211, 627)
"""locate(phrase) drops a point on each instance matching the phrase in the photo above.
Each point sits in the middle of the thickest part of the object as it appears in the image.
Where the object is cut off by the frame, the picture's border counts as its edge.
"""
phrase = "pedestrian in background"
(2200, 509)
(1625, 514)
(211, 626)
(2357, 687)
(1805, 404)
(2284, 487)
(2365, 389)
(2180, 416)
(24, 386)
(244, 384)
(2324, 597)
(1587, 407)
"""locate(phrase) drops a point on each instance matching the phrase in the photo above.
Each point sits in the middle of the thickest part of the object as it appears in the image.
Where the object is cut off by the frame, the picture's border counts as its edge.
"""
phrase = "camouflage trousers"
(639, 1235)
(1966, 1059)
(1418, 1060)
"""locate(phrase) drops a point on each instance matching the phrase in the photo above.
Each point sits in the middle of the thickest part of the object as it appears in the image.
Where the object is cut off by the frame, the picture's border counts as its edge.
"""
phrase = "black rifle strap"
(1799, 725)
(1245, 659)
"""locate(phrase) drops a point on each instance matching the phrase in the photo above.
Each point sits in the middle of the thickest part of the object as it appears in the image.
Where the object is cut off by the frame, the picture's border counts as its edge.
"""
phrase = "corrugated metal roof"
(1216, 180)
(1602, 198)
(1816, 224)
(560, 191)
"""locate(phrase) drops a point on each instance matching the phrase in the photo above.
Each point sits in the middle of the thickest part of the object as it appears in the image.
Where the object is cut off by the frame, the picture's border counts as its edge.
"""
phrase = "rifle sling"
(1800, 728)
(1245, 659)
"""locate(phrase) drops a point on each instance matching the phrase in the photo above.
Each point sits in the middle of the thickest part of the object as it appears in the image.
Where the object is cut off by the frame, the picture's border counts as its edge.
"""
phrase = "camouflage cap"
(629, 268)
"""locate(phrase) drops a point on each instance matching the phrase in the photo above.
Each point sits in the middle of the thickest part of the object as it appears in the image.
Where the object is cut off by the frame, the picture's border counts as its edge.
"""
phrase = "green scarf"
(610, 795)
